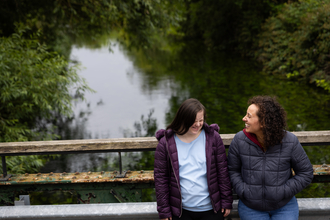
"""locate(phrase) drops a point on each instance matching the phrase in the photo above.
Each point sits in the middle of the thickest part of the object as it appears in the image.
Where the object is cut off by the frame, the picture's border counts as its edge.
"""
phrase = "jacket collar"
(253, 138)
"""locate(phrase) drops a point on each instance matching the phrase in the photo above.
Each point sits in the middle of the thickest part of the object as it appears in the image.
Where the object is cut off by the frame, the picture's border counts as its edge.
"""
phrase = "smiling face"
(198, 124)
(251, 119)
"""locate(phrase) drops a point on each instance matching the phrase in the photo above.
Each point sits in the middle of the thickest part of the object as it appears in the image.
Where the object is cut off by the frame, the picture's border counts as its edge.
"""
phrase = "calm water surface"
(120, 99)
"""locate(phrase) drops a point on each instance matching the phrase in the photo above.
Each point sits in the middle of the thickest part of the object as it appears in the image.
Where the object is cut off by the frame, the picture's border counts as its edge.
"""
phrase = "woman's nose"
(244, 118)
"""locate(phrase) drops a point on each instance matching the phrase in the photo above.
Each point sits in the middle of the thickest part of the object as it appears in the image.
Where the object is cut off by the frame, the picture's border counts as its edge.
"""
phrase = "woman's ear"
(262, 123)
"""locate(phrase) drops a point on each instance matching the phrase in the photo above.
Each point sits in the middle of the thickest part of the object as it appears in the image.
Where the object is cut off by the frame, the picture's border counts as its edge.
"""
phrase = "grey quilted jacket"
(264, 180)
(166, 173)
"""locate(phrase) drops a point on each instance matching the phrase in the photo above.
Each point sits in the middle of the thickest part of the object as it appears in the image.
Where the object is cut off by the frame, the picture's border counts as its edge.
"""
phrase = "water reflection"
(224, 84)
(117, 84)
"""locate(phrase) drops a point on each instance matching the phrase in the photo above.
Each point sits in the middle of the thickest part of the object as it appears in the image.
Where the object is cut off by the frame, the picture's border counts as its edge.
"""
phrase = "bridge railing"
(306, 138)
(309, 208)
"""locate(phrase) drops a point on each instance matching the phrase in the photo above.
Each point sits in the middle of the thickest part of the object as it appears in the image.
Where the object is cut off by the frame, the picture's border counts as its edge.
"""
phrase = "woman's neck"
(260, 139)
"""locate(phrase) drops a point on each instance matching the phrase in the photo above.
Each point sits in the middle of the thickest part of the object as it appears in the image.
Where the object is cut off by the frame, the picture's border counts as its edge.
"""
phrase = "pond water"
(119, 100)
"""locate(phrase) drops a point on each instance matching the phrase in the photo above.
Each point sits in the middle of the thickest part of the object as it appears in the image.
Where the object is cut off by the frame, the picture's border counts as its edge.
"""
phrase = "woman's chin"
(195, 131)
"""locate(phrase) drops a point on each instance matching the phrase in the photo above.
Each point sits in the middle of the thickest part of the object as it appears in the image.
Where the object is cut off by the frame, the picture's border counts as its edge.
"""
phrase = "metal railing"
(306, 138)
(309, 209)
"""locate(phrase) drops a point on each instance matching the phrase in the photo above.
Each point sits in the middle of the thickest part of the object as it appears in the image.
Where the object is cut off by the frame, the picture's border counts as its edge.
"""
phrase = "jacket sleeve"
(234, 167)
(303, 171)
(162, 179)
(223, 176)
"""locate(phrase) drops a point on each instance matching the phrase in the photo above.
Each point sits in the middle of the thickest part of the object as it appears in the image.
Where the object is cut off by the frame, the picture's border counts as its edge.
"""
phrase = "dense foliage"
(34, 85)
(289, 38)
(66, 21)
(296, 43)
(229, 26)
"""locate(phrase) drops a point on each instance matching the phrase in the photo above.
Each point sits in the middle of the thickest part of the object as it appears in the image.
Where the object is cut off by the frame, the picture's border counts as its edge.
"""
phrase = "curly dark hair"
(272, 117)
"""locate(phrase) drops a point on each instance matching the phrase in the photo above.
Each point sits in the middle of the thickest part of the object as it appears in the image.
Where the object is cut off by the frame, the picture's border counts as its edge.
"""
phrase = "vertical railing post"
(5, 176)
(4, 167)
(122, 173)
(120, 165)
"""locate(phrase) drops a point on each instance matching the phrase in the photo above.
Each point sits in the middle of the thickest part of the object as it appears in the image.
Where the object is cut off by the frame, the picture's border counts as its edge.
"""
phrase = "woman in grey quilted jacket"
(260, 162)
(191, 174)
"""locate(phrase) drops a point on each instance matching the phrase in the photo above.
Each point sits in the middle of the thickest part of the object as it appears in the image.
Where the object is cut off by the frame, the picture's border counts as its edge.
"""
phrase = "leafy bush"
(34, 84)
(224, 25)
(81, 21)
(296, 43)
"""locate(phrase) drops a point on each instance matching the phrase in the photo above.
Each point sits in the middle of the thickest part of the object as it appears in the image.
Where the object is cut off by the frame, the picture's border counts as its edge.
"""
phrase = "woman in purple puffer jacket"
(191, 175)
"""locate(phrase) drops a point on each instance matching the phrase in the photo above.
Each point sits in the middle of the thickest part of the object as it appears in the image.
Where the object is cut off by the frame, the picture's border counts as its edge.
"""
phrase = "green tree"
(65, 21)
(35, 85)
(230, 26)
(295, 44)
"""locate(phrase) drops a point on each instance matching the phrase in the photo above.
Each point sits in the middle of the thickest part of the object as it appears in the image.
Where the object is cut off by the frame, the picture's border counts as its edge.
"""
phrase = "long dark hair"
(272, 117)
(186, 116)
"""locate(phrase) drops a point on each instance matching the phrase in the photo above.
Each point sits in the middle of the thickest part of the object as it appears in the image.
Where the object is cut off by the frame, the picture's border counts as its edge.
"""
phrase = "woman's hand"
(170, 218)
(225, 212)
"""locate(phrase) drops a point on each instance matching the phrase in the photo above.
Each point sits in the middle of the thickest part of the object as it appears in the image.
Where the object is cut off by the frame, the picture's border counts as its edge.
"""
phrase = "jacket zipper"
(263, 170)
(213, 206)
(263, 177)
(177, 182)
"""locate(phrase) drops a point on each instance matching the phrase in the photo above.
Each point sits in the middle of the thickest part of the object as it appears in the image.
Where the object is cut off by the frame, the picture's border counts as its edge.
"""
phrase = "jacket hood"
(160, 133)
(212, 127)
(208, 128)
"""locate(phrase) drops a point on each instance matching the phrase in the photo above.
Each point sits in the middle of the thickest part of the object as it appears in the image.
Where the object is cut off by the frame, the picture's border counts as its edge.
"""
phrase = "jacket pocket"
(241, 190)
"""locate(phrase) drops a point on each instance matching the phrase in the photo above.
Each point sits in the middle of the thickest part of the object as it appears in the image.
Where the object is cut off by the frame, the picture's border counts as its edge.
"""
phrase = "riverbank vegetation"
(296, 42)
(35, 85)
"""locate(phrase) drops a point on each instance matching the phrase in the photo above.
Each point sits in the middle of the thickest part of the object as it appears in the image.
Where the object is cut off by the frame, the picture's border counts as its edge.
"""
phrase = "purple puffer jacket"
(166, 172)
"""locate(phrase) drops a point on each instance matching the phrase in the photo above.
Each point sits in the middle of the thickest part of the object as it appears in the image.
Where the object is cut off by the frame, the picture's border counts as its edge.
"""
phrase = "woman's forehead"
(252, 109)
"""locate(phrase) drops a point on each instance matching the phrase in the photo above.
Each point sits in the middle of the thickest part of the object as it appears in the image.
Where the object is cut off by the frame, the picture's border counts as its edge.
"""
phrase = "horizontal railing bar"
(321, 175)
(315, 144)
(78, 146)
(80, 152)
(124, 144)
(309, 208)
